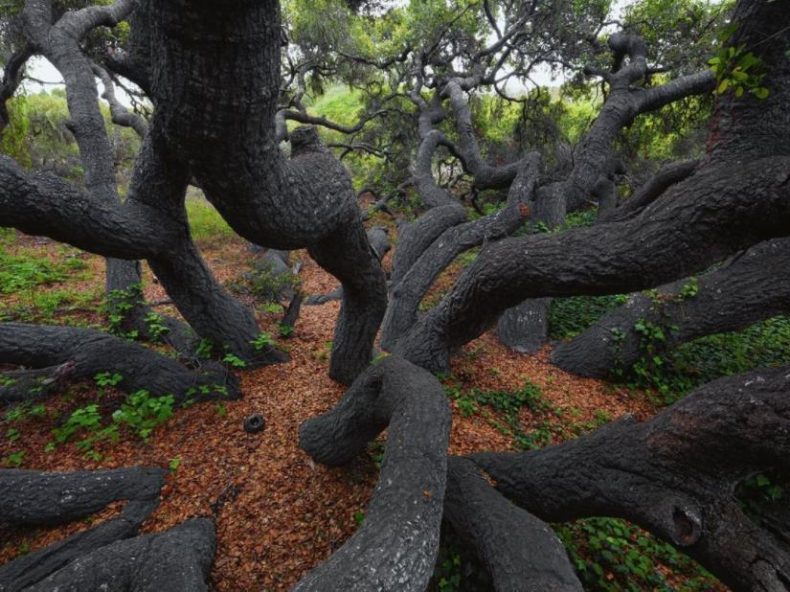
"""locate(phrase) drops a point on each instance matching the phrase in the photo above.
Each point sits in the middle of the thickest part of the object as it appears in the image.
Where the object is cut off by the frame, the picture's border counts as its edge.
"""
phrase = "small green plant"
(118, 305)
(737, 69)
(689, 289)
(84, 419)
(221, 410)
(611, 555)
(174, 463)
(142, 412)
(105, 379)
(262, 341)
(12, 434)
(14, 459)
(233, 360)
(205, 349)
(156, 326)
(285, 330)
(359, 518)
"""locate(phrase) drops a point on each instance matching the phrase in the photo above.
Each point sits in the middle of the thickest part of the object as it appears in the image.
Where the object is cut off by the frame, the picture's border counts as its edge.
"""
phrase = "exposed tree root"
(674, 475)
(519, 551)
(71, 353)
(396, 547)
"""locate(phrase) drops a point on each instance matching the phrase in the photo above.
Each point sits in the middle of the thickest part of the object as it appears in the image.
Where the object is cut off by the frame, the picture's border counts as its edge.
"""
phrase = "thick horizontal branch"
(718, 211)
(88, 352)
(177, 560)
(674, 475)
(36, 498)
(750, 289)
(42, 204)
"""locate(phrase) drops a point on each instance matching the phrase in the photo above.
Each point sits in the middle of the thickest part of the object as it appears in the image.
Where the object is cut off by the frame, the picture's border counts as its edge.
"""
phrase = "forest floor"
(277, 513)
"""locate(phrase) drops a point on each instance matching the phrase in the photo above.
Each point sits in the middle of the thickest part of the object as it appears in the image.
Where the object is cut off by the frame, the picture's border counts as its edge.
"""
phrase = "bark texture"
(82, 353)
(396, 547)
(519, 551)
(36, 498)
(674, 475)
(177, 560)
(730, 298)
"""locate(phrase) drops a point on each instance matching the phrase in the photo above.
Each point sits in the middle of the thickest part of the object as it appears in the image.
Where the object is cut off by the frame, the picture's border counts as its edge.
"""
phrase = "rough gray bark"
(82, 353)
(739, 196)
(34, 567)
(519, 551)
(405, 297)
(305, 201)
(652, 190)
(524, 327)
(396, 547)
(415, 237)
(177, 560)
(749, 289)
(36, 498)
(674, 475)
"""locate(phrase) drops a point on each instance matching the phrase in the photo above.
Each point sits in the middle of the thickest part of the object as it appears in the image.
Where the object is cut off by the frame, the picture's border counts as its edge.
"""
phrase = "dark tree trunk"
(223, 131)
(396, 547)
(674, 475)
(519, 551)
(36, 498)
(749, 289)
(30, 497)
(415, 237)
(177, 560)
(86, 352)
(739, 196)
(406, 295)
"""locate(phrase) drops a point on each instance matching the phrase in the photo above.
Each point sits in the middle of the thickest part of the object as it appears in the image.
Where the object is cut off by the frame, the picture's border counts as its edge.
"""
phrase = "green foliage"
(739, 71)
(105, 379)
(508, 405)
(570, 316)
(359, 518)
(156, 326)
(119, 304)
(142, 412)
(262, 341)
(611, 555)
(25, 411)
(14, 459)
(232, 359)
(38, 136)
(24, 271)
(205, 223)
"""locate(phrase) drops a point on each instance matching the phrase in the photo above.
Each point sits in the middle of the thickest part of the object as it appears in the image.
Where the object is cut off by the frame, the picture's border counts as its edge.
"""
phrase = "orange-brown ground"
(277, 513)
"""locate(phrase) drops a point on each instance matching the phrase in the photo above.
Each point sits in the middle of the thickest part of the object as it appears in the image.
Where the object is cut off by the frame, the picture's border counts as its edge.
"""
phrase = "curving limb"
(751, 288)
(674, 475)
(396, 547)
(69, 353)
(36, 498)
(405, 296)
(178, 559)
(415, 237)
(304, 201)
(519, 551)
